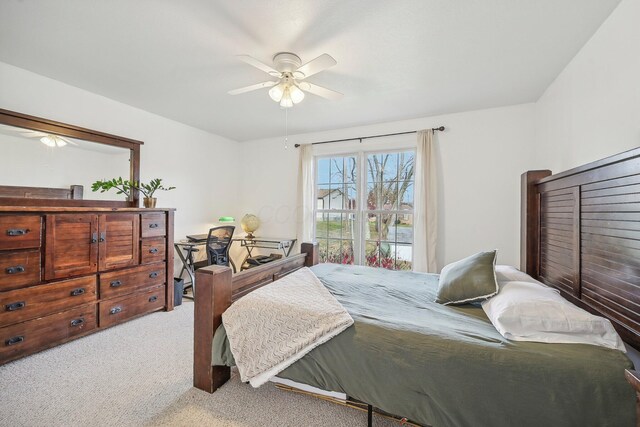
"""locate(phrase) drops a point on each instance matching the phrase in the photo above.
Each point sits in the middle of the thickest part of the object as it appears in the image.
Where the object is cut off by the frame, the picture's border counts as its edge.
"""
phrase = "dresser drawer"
(28, 337)
(20, 231)
(120, 309)
(153, 250)
(19, 269)
(127, 281)
(37, 301)
(153, 225)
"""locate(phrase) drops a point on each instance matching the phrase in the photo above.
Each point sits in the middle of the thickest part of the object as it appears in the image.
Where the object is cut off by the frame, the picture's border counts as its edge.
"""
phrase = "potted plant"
(124, 186)
(148, 190)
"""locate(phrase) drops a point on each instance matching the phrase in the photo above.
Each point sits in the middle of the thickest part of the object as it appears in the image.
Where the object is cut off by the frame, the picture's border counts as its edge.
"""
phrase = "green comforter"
(448, 366)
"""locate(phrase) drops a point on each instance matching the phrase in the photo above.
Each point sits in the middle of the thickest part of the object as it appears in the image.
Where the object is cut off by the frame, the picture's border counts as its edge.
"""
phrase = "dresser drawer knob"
(16, 306)
(17, 231)
(153, 225)
(14, 340)
(153, 250)
(76, 292)
(94, 238)
(77, 322)
(153, 275)
(15, 269)
(153, 298)
(116, 283)
(115, 310)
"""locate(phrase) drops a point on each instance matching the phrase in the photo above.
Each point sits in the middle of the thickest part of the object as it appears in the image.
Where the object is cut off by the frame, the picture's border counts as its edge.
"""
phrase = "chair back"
(218, 244)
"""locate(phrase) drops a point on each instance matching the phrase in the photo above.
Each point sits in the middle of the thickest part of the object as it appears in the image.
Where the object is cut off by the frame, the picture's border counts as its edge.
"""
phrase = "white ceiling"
(397, 59)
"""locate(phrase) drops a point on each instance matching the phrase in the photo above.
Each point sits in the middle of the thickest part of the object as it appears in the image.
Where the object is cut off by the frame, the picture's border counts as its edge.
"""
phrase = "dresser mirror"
(51, 163)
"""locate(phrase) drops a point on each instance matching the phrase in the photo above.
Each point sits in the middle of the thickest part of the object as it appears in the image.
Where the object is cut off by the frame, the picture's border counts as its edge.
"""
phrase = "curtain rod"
(441, 128)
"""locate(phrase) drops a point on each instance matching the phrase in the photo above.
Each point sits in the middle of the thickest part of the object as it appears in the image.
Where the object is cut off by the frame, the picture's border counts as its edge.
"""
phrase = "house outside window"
(364, 208)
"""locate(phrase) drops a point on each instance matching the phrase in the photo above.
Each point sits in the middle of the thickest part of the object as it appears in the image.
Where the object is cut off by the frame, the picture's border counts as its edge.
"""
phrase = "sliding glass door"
(364, 208)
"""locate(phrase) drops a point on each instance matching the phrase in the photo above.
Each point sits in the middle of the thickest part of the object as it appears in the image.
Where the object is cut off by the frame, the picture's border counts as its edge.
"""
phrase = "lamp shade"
(296, 94)
(276, 92)
(286, 101)
(53, 141)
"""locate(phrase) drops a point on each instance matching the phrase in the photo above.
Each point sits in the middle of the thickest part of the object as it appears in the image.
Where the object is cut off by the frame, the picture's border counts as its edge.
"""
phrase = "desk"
(277, 243)
(185, 250)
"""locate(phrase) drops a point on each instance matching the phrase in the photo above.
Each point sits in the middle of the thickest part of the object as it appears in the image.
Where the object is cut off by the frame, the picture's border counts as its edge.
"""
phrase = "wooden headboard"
(72, 193)
(580, 233)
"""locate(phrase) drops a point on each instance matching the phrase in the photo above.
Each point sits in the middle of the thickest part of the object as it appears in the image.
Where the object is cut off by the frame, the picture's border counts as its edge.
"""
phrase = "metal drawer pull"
(103, 237)
(153, 275)
(76, 292)
(94, 238)
(153, 225)
(14, 340)
(153, 250)
(17, 231)
(115, 310)
(154, 298)
(16, 306)
(77, 322)
(15, 269)
(115, 283)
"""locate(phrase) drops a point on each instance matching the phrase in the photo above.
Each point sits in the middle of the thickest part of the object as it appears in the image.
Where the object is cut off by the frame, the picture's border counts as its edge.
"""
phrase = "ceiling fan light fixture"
(296, 94)
(276, 92)
(53, 141)
(286, 101)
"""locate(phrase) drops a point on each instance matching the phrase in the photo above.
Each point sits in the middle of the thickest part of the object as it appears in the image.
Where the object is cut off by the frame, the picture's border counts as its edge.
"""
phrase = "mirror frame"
(25, 121)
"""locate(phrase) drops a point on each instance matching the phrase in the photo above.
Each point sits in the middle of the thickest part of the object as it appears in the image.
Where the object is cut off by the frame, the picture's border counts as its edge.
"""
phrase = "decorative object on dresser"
(26, 180)
(149, 189)
(69, 266)
(125, 186)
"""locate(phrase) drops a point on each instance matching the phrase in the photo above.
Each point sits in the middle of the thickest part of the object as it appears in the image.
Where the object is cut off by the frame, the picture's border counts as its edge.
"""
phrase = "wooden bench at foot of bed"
(217, 289)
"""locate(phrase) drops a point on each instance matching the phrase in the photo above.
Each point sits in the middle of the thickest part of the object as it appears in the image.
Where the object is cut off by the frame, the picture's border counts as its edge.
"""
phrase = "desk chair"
(217, 247)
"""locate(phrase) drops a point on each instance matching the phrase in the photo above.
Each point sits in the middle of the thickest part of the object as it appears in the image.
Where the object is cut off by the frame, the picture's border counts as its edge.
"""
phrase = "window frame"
(361, 211)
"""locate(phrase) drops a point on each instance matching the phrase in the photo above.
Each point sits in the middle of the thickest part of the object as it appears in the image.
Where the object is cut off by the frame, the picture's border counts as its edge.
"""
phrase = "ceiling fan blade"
(68, 141)
(33, 134)
(320, 91)
(252, 87)
(314, 66)
(259, 65)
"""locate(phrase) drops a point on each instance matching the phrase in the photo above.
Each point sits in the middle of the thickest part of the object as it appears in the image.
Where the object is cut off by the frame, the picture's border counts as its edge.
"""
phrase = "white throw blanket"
(276, 325)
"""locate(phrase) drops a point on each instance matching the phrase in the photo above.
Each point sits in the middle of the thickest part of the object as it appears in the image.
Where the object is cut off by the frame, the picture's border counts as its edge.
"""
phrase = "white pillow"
(527, 311)
(507, 273)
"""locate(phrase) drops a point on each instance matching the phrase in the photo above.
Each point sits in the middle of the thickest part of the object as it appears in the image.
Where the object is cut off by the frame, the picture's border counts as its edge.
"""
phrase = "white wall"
(482, 154)
(592, 109)
(201, 165)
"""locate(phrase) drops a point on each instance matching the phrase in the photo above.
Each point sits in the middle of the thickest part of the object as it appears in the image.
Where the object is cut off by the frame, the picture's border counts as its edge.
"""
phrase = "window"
(364, 209)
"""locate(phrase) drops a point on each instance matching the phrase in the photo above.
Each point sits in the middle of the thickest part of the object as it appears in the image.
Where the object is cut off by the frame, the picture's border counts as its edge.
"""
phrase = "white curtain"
(425, 226)
(306, 184)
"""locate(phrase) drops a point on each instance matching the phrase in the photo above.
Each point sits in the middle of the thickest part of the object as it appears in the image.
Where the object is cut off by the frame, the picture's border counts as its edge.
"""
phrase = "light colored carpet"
(140, 373)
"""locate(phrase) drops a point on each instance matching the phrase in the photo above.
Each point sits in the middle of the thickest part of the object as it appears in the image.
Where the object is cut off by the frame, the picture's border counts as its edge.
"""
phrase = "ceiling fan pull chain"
(286, 128)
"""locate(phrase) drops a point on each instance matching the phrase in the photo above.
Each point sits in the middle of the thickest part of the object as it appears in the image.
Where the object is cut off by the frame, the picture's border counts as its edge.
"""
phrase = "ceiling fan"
(290, 86)
(50, 140)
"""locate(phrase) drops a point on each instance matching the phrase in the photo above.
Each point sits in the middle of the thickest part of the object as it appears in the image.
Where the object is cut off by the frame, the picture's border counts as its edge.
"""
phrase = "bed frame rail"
(217, 290)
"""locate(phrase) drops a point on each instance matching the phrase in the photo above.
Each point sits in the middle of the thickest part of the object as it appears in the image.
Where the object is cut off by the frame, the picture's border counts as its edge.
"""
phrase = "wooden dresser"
(66, 272)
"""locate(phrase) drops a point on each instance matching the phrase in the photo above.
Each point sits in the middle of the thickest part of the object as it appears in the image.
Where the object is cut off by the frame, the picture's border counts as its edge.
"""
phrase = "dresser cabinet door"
(71, 245)
(119, 241)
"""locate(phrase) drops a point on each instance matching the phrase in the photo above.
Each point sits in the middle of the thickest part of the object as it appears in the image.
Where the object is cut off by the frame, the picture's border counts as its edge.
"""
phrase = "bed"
(446, 366)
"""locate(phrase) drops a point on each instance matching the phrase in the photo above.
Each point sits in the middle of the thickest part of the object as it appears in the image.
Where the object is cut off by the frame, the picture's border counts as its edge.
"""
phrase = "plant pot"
(150, 202)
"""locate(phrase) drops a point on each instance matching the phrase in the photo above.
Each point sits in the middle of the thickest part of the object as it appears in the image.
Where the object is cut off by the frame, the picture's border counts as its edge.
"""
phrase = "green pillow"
(472, 279)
